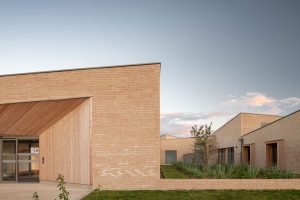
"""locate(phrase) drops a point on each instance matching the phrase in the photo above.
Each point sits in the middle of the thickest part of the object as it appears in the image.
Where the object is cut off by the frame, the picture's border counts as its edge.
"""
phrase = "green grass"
(227, 171)
(169, 171)
(196, 194)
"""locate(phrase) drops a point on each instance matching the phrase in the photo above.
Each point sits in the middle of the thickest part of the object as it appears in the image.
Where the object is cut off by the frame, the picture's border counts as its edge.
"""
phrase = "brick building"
(275, 145)
(96, 126)
(173, 149)
(261, 141)
(255, 139)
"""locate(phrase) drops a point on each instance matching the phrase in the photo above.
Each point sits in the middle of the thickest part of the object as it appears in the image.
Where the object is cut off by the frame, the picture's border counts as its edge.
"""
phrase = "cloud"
(262, 103)
(180, 123)
(292, 101)
(253, 99)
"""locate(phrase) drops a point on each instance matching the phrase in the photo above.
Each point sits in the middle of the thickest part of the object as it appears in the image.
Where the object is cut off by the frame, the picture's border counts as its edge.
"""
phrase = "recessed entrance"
(41, 139)
(272, 155)
(246, 155)
(19, 159)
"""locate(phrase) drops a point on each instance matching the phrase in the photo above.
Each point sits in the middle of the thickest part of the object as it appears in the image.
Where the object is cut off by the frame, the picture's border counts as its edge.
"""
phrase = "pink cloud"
(253, 99)
(262, 103)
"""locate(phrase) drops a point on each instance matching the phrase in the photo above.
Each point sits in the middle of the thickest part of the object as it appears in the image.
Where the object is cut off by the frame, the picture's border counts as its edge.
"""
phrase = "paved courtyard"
(45, 190)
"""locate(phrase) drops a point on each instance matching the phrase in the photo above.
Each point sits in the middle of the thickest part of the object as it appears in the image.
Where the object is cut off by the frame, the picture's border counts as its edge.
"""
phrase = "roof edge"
(249, 113)
(215, 132)
(272, 122)
(246, 113)
(82, 68)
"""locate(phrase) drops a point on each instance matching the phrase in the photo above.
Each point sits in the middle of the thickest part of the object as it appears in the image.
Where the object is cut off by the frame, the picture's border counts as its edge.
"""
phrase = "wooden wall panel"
(65, 147)
(32, 118)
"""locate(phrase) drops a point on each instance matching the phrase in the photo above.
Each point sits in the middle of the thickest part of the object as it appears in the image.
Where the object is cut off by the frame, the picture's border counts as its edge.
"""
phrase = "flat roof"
(83, 68)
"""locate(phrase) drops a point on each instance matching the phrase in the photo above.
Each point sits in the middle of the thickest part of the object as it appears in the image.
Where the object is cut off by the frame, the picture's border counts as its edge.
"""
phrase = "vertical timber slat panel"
(65, 147)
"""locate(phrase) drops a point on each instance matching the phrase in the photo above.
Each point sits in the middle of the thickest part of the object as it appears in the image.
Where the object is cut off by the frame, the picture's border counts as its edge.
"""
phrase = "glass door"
(19, 161)
(28, 160)
(9, 164)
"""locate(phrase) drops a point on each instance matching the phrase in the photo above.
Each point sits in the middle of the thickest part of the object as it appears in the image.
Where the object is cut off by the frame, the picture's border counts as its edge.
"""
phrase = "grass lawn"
(170, 171)
(197, 194)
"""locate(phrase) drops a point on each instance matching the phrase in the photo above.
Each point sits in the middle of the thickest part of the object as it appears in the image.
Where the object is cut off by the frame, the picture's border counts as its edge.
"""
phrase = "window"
(170, 156)
(221, 156)
(230, 156)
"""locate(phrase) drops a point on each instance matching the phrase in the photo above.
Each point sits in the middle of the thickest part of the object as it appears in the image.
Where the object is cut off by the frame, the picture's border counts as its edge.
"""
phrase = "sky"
(218, 58)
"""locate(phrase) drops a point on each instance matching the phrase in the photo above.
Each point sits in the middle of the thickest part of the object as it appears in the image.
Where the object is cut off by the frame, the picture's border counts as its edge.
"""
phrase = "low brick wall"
(229, 184)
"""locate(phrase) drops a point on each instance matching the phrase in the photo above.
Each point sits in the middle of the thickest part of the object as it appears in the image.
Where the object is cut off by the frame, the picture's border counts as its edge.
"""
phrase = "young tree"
(204, 143)
(64, 194)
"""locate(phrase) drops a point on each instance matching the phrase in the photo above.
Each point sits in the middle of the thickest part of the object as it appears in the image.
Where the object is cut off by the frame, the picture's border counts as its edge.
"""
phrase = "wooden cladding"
(32, 118)
(64, 135)
(65, 147)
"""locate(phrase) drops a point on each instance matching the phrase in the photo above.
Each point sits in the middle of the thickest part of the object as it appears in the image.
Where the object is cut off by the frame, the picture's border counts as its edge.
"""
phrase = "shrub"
(229, 171)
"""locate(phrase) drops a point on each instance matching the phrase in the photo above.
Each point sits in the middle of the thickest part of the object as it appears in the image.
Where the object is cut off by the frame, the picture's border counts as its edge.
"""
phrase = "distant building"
(173, 149)
(275, 145)
(228, 137)
(260, 141)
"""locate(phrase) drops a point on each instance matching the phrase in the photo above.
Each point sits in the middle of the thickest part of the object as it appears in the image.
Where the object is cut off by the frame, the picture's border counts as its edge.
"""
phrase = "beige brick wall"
(125, 111)
(229, 184)
(250, 121)
(288, 130)
(228, 136)
(181, 145)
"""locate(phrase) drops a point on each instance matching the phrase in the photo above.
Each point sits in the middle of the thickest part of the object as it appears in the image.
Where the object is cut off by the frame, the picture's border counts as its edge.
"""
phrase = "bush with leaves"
(204, 144)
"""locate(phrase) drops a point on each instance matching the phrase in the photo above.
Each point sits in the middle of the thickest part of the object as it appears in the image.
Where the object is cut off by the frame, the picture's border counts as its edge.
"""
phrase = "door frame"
(16, 139)
(280, 153)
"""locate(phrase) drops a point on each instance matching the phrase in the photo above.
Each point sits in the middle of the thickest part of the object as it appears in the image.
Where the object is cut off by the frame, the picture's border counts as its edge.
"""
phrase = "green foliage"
(35, 196)
(64, 194)
(204, 144)
(170, 171)
(234, 172)
(196, 194)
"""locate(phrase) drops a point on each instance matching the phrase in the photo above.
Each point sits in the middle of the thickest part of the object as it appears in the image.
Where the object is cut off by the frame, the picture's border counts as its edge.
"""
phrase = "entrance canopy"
(32, 118)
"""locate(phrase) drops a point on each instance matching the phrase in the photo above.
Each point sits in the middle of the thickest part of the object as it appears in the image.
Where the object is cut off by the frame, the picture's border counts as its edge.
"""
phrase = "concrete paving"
(45, 190)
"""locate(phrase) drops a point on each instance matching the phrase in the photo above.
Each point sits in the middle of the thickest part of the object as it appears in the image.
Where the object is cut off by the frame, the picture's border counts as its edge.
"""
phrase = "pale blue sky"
(218, 57)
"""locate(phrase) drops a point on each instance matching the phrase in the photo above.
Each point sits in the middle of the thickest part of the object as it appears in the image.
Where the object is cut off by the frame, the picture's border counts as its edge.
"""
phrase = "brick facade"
(125, 117)
(230, 133)
(285, 132)
(181, 145)
(229, 184)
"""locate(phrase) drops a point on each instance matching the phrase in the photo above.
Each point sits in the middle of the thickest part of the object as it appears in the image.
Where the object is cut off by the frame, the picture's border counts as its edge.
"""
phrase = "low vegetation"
(169, 171)
(196, 194)
(63, 195)
(235, 172)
